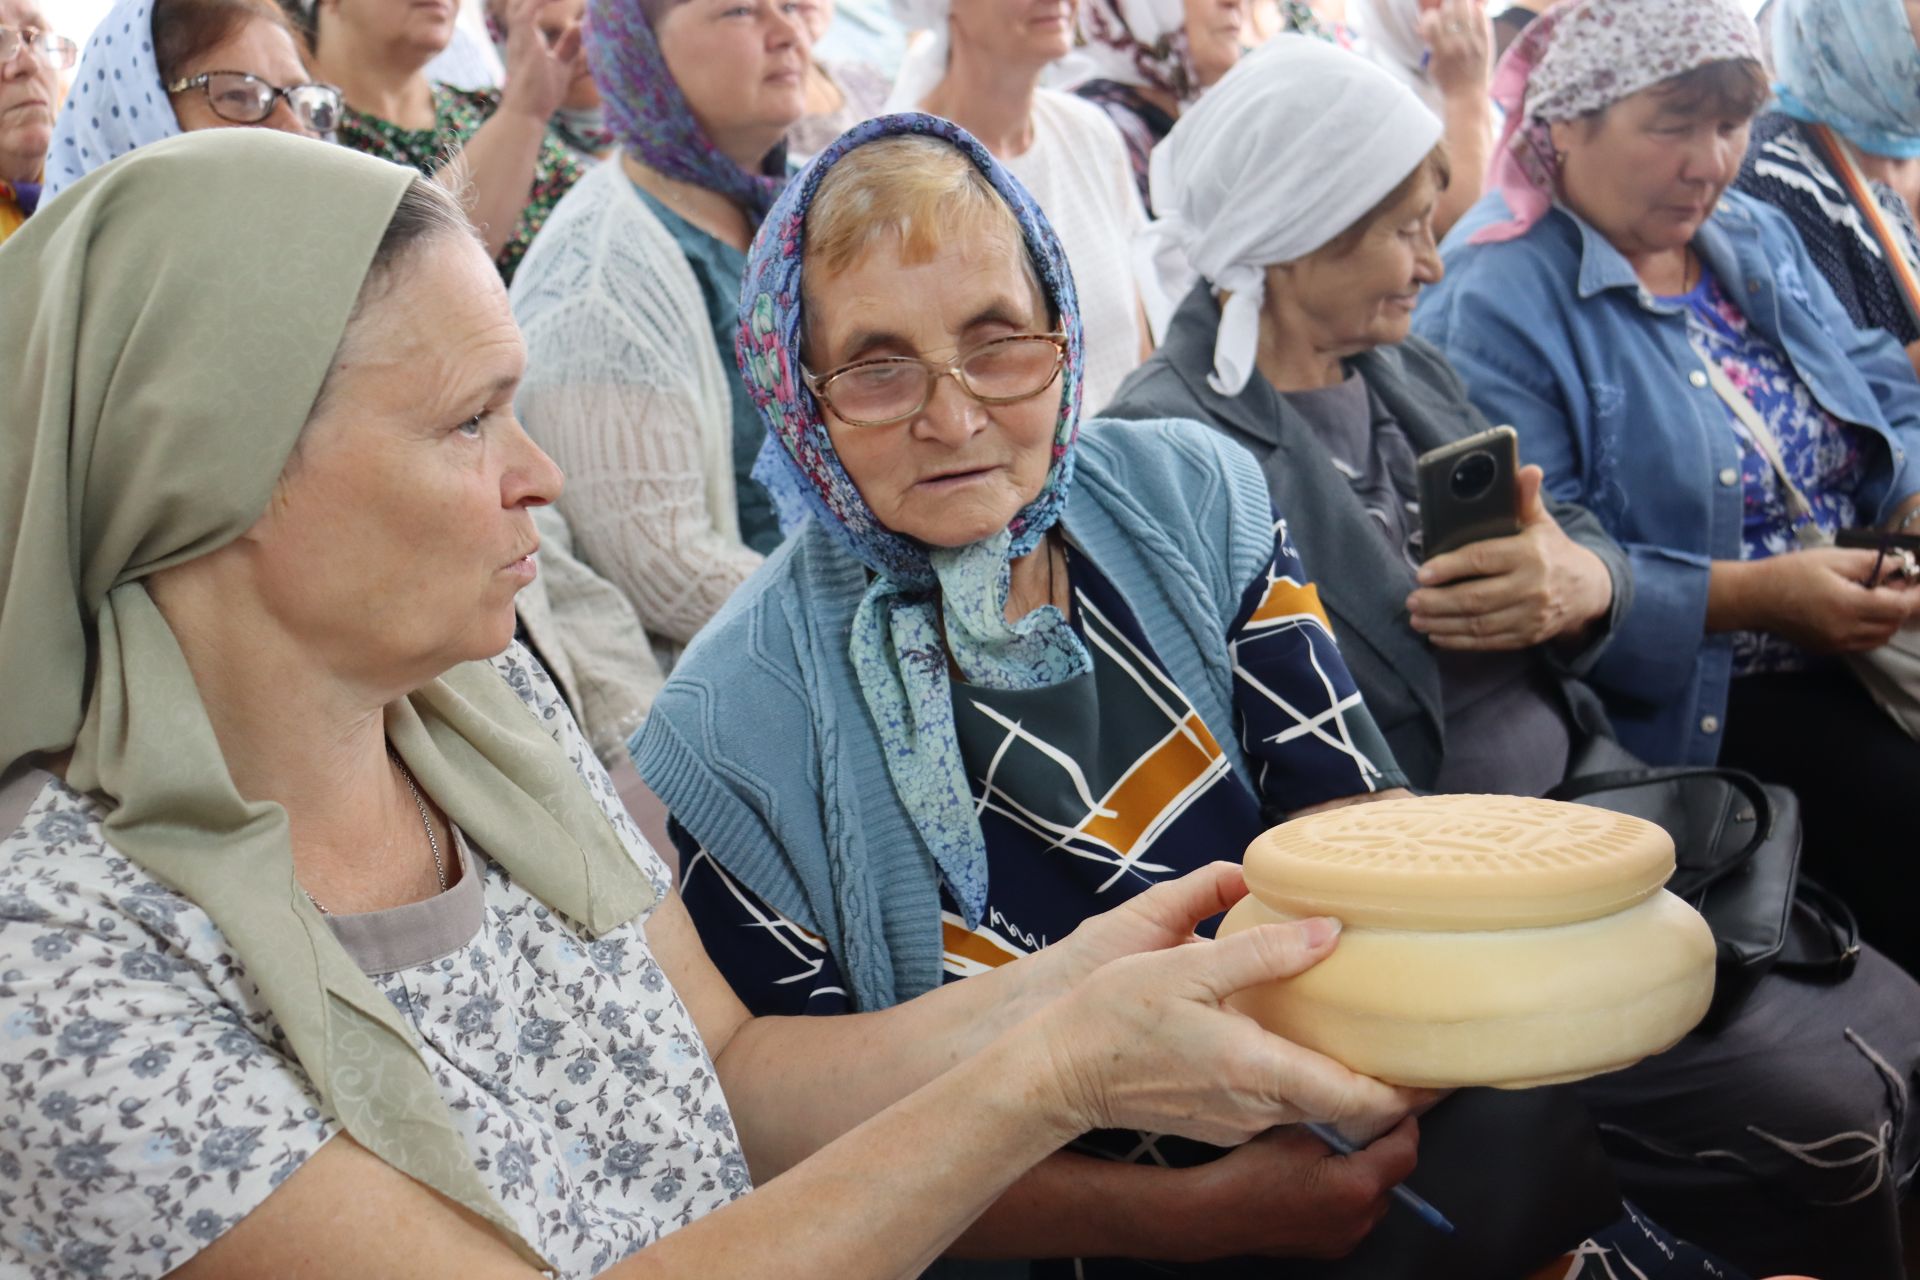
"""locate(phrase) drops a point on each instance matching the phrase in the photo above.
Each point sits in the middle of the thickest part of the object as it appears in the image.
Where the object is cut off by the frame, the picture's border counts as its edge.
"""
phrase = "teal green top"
(718, 266)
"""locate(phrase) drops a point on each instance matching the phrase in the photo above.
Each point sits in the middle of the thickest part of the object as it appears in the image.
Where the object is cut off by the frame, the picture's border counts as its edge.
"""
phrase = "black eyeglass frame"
(50, 47)
(820, 384)
(204, 83)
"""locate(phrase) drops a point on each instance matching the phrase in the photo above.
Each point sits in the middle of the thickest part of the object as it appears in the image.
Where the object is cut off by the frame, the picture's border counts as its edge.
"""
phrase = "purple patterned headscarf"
(924, 604)
(649, 116)
(1585, 55)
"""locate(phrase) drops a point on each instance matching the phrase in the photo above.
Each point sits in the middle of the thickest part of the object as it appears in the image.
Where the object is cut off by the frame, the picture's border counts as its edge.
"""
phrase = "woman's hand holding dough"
(1144, 1043)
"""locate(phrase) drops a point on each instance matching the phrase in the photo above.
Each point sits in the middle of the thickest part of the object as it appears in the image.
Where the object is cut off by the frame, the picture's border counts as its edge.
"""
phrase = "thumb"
(1529, 496)
(1854, 563)
(1261, 954)
(1182, 904)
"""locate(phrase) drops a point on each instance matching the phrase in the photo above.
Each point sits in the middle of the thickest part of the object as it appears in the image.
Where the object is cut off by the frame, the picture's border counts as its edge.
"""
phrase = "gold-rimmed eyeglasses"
(878, 393)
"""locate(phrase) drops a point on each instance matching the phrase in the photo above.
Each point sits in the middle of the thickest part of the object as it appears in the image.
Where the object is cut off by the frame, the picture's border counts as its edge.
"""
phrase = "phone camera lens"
(1472, 477)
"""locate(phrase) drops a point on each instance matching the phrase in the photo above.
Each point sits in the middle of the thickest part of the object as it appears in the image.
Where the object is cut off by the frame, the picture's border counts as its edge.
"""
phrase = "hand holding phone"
(1508, 593)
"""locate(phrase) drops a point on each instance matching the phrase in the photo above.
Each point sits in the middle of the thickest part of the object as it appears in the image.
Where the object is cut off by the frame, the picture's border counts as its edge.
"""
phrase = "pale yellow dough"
(1459, 862)
(1510, 1008)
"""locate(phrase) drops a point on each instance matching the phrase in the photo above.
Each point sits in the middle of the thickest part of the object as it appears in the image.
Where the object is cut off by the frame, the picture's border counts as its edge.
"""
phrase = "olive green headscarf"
(165, 327)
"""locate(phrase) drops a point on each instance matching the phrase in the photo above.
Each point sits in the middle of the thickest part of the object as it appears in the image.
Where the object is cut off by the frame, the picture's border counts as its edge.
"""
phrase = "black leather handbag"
(1737, 853)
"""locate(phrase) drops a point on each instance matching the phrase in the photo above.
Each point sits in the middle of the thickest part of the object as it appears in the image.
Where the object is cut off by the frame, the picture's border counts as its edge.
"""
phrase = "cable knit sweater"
(625, 390)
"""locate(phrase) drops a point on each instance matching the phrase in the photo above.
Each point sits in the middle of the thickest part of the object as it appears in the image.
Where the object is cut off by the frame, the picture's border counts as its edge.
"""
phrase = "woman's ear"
(1562, 132)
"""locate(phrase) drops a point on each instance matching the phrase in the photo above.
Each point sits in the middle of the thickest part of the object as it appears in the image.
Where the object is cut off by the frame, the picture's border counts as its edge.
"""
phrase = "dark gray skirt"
(1785, 1142)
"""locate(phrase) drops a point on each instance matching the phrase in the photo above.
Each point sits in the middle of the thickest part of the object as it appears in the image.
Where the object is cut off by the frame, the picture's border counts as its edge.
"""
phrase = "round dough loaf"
(1488, 940)
(1510, 1008)
(1459, 862)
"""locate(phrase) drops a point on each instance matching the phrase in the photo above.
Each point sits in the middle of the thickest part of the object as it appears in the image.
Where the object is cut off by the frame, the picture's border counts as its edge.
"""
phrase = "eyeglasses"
(877, 393)
(56, 51)
(247, 99)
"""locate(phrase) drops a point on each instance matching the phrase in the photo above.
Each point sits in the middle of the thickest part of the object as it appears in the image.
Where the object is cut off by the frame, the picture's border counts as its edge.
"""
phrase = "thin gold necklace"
(433, 841)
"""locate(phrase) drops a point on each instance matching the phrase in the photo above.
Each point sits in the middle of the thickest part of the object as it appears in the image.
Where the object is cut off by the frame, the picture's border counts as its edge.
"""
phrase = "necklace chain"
(433, 841)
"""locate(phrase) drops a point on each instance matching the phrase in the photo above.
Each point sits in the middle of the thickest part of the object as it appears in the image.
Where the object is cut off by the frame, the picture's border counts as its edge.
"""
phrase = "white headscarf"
(117, 103)
(1389, 32)
(1288, 150)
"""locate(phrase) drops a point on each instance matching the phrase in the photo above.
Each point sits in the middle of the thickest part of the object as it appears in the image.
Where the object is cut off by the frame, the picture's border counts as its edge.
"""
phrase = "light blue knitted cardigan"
(761, 745)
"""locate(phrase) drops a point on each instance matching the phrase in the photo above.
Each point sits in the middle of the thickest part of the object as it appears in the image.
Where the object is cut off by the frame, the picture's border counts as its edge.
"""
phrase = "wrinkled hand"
(1460, 36)
(1144, 1043)
(1512, 593)
(1285, 1195)
(538, 74)
(1815, 599)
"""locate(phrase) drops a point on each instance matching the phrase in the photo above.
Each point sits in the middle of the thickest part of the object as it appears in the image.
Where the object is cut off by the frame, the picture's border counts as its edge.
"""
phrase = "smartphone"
(1899, 557)
(1468, 491)
(1877, 540)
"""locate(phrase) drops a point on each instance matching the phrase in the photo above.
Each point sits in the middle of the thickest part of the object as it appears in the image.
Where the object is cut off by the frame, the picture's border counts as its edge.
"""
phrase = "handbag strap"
(1893, 246)
(1799, 511)
(1838, 951)
(1739, 781)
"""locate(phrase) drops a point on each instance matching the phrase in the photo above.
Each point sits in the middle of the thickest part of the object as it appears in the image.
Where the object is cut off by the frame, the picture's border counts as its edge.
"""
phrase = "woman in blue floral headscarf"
(1011, 667)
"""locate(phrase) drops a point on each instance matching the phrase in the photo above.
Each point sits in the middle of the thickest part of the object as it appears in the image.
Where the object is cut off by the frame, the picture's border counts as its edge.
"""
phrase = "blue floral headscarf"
(647, 114)
(898, 646)
(1852, 66)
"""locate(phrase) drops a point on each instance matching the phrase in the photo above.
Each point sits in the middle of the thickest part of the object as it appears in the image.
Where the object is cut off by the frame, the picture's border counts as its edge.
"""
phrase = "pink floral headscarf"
(1584, 55)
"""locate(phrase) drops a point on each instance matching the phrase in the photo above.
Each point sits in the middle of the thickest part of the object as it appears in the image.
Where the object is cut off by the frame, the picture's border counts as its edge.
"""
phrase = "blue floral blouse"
(1823, 455)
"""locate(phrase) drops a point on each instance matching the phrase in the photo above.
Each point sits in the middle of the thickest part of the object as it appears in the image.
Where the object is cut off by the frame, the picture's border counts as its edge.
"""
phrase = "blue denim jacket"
(1553, 333)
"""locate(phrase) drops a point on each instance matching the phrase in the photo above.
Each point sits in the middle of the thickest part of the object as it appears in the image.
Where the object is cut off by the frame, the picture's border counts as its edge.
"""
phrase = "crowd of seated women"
(647, 645)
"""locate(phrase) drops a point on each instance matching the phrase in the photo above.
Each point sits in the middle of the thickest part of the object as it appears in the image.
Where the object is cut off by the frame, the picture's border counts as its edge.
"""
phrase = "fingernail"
(1321, 930)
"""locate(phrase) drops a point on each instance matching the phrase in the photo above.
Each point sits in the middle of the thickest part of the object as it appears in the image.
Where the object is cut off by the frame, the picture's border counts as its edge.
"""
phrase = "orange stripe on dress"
(974, 947)
(1288, 599)
(1159, 779)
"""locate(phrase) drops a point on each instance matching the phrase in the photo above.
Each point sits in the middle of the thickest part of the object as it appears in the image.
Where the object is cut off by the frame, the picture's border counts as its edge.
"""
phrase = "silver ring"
(1455, 28)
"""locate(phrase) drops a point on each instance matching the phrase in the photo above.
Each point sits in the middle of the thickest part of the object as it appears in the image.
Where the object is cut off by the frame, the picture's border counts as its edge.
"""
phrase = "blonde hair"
(922, 191)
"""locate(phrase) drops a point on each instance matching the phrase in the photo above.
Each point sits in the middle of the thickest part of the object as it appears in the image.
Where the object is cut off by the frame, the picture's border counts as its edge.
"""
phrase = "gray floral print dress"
(148, 1101)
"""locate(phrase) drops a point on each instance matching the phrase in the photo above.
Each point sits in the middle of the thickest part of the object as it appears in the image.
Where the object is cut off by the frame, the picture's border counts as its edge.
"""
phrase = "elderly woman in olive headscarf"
(1839, 153)
(328, 944)
(1668, 351)
(1473, 660)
